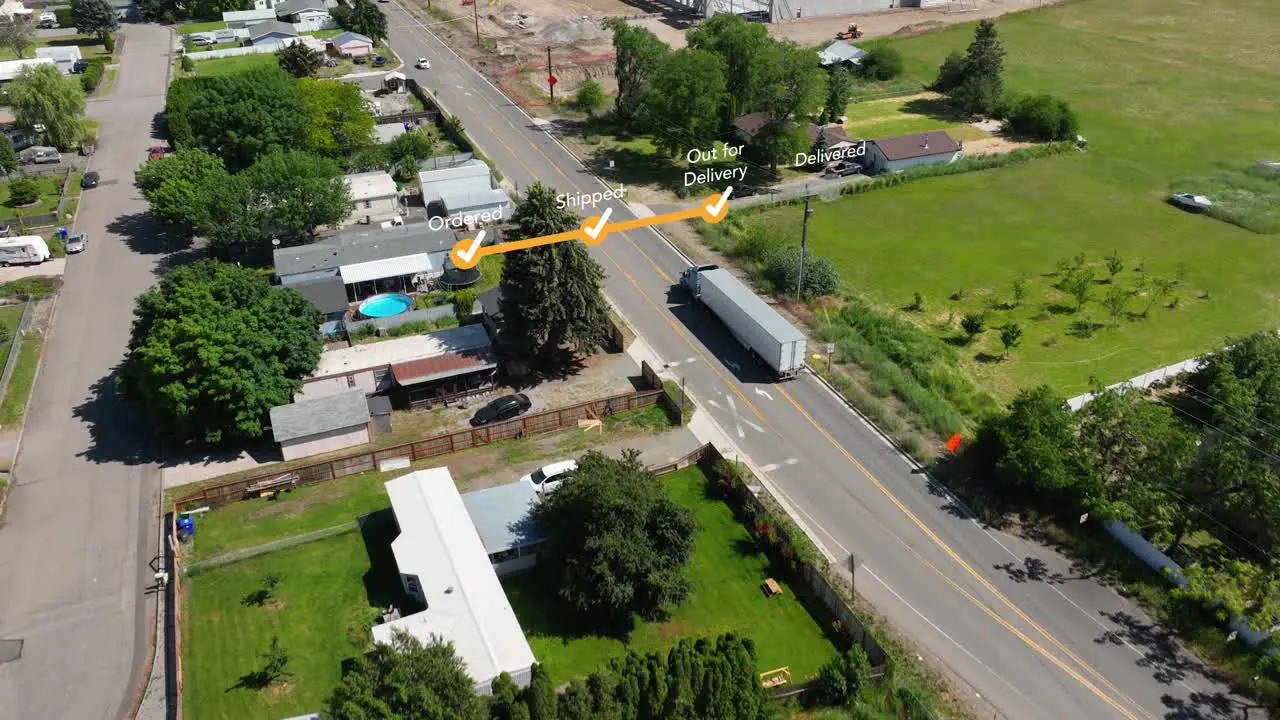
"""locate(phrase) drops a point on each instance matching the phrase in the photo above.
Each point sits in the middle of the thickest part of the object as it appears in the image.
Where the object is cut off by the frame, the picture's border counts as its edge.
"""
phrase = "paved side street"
(81, 525)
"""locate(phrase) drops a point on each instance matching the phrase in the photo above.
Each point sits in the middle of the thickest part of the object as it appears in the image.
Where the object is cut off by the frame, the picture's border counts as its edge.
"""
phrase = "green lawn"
(320, 610)
(90, 46)
(24, 377)
(49, 195)
(901, 116)
(204, 26)
(234, 64)
(726, 570)
(10, 315)
(1164, 90)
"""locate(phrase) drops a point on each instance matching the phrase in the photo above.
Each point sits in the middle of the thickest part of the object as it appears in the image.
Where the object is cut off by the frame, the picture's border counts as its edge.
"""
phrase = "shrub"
(23, 192)
(1044, 117)
(973, 324)
(782, 269)
(64, 17)
(756, 240)
(882, 62)
(589, 97)
(842, 678)
(464, 301)
(109, 42)
(189, 65)
(92, 75)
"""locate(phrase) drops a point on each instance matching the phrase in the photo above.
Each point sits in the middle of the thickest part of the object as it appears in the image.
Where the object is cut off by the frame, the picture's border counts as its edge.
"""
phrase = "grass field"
(726, 570)
(50, 192)
(24, 377)
(904, 115)
(320, 610)
(1164, 90)
(196, 27)
(90, 46)
(10, 315)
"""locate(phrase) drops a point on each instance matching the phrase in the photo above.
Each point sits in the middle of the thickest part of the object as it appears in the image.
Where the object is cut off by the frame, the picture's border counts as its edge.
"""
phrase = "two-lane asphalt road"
(1005, 616)
(81, 525)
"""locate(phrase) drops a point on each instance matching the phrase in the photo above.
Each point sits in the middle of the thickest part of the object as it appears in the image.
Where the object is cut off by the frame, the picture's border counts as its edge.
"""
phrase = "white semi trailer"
(770, 338)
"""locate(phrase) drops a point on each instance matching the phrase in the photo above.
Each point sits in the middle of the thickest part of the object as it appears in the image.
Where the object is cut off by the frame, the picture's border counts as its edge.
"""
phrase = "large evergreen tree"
(839, 90)
(618, 543)
(94, 17)
(982, 86)
(214, 347)
(550, 294)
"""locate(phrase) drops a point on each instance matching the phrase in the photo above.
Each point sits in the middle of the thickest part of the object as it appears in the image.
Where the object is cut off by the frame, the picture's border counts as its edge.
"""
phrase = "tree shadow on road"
(1032, 569)
(1159, 647)
(1210, 706)
(145, 236)
(116, 427)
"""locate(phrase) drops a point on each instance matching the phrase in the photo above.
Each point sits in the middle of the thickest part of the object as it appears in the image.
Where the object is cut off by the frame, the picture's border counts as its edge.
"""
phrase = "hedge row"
(93, 74)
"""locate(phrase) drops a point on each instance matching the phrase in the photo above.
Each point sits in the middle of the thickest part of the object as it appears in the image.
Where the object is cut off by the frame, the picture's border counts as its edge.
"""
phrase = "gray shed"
(323, 424)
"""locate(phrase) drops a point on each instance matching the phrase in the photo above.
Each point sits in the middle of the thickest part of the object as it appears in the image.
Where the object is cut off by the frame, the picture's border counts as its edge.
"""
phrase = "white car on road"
(548, 478)
(423, 64)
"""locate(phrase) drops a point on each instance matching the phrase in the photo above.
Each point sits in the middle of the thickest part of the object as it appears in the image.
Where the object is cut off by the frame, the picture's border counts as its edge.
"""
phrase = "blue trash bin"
(62, 233)
(187, 525)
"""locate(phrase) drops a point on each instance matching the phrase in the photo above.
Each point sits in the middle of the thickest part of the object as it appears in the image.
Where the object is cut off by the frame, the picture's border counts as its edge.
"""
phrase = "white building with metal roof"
(374, 197)
(444, 566)
(467, 189)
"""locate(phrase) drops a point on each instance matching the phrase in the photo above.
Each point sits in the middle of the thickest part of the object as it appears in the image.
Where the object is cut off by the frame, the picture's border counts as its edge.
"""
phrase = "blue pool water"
(380, 306)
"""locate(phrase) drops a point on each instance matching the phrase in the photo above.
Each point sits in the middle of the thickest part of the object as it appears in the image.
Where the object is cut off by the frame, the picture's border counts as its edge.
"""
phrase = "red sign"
(552, 80)
(954, 442)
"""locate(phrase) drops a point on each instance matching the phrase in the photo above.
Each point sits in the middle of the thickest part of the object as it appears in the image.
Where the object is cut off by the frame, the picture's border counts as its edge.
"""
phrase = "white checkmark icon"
(719, 206)
(594, 232)
(473, 248)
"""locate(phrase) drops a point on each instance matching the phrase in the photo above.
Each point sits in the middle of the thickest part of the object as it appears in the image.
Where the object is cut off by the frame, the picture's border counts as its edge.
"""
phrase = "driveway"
(81, 524)
(53, 268)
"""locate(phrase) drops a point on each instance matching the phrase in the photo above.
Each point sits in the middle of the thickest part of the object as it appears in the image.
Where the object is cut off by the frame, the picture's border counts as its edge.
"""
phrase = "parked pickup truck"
(758, 327)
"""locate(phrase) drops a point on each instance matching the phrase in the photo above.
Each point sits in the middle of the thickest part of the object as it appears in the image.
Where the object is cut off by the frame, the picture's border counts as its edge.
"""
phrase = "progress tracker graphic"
(467, 253)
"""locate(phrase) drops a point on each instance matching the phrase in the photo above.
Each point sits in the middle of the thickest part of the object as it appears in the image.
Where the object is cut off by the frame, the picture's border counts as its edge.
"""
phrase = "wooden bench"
(776, 677)
(272, 486)
(771, 587)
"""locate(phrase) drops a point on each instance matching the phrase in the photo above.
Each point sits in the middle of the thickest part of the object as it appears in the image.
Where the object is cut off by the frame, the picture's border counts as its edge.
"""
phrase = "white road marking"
(791, 461)
(763, 393)
(692, 359)
(769, 468)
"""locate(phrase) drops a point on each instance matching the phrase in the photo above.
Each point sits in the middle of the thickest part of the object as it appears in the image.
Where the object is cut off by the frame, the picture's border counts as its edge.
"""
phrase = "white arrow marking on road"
(769, 468)
(737, 421)
(714, 404)
(752, 425)
(692, 359)
(790, 461)
(763, 392)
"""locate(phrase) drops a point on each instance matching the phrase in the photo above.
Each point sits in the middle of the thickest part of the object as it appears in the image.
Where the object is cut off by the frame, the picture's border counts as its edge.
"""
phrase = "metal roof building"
(367, 254)
(466, 188)
(840, 51)
(503, 516)
(444, 565)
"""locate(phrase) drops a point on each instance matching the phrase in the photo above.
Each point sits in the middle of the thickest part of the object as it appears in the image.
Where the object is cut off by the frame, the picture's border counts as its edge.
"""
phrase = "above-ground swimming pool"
(380, 306)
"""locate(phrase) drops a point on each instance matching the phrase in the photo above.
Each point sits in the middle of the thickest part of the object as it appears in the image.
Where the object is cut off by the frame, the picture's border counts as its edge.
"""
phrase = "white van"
(24, 250)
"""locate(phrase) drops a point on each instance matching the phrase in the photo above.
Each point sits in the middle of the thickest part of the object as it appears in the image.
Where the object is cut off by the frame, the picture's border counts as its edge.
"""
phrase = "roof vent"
(448, 590)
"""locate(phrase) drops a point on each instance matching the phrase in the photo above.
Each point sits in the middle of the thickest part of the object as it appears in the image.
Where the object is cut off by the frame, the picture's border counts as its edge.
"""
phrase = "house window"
(351, 381)
(368, 204)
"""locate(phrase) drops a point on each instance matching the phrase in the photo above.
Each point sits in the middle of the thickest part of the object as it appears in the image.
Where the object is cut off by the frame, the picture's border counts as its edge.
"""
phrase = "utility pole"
(681, 399)
(853, 573)
(475, 16)
(551, 84)
(804, 236)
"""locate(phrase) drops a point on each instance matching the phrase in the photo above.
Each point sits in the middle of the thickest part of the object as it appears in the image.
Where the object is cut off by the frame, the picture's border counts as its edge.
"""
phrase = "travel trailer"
(24, 250)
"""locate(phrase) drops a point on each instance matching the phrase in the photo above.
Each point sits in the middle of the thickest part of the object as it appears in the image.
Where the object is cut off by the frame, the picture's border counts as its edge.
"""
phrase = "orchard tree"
(550, 294)
(406, 679)
(973, 325)
(1079, 284)
(638, 54)
(299, 60)
(17, 36)
(362, 16)
(744, 47)
(94, 17)
(297, 192)
(178, 186)
(337, 123)
(839, 91)
(214, 347)
(42, 95)
(619, 543)
(1010, 337)
(684, 100)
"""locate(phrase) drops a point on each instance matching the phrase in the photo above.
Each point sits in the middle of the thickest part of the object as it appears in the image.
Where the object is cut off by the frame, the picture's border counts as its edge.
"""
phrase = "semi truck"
(759, 328)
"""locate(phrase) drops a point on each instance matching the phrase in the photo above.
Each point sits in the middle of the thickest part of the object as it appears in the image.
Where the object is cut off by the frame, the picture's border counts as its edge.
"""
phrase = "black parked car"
(504, 408)
(89, 179)
(79, 66)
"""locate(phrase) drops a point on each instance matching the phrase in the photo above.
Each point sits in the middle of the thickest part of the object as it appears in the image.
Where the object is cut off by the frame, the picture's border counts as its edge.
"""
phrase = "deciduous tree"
(638, 54)
(1010, 337)
(178, 187)
(683, 102)
(744, 47)
(214, 347)
(950, 73)
(297, 193)
(362, 16)
(1034, 446)
(618, 542)
(241, 117)
(94, 17)
(782, 268)
(589, 97)
(973, 324)
(42, 95)
(17, 36)
(404, 680)
(882, 62)
(550, 294)
(338, 124)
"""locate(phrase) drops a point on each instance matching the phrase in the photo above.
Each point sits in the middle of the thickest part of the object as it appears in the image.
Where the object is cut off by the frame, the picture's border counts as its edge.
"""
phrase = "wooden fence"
(533, 424)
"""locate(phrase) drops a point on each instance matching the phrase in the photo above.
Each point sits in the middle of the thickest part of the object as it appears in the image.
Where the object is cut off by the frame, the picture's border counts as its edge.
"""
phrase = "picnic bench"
(771, 587)
(775, 677)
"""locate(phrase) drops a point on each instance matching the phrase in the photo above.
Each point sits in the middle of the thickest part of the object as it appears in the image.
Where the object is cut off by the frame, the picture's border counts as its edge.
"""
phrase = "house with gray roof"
(329, 297)
(840, 52)
(503, 516)
(369, 260)
(64, 56)
(305, 15)
(322, 424)
(271, 32)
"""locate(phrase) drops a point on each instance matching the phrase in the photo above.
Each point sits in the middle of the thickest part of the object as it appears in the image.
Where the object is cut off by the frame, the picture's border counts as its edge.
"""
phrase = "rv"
(25, 250)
